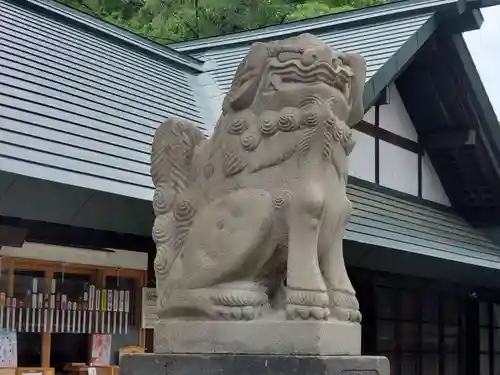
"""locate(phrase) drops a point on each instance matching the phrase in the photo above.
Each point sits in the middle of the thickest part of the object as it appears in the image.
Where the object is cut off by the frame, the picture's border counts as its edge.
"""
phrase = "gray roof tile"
(81, 97)
(383, 220)
(343, 20)
(81, 103)
(78, 108)
(376, 42)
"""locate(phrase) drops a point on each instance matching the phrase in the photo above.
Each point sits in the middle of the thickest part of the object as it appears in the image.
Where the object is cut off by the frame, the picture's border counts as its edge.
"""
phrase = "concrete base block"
(281, 337)
(231, 364)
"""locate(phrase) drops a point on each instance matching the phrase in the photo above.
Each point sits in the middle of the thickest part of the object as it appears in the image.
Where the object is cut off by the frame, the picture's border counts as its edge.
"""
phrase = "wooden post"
(150, 276)
(10, 286)
(138, 314)
(47, 336)
(98, 279)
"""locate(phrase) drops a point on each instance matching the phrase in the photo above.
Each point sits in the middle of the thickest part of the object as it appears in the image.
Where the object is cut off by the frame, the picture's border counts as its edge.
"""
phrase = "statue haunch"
(251, 221)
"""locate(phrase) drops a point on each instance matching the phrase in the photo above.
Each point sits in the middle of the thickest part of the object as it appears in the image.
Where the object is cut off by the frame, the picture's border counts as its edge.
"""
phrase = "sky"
(484, 45)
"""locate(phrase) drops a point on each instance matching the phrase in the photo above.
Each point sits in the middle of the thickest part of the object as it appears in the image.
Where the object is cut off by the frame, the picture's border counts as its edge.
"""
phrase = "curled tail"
(172, 155)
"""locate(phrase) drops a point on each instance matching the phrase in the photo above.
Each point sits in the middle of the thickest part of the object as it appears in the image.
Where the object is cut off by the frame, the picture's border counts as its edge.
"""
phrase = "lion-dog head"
(298, 72)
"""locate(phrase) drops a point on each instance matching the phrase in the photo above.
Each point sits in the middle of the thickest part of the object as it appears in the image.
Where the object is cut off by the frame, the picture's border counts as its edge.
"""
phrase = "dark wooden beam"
(65, 235)
(377, 143)
(455, 122)
(385, 96)
(12, 236)
(483, 3)
(449, 139)
(389, 137)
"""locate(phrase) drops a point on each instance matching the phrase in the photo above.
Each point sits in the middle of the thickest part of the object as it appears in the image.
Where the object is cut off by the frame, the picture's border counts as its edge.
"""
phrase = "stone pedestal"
(264, 336)
(261, 347)
(234, 364)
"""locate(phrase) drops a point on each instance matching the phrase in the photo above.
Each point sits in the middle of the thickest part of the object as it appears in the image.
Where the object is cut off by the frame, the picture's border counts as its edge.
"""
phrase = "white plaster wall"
(394, 117)
(116, 258)
(210, 98)
(398, 168)
(362, 158)
(370, 116)
(431, 185)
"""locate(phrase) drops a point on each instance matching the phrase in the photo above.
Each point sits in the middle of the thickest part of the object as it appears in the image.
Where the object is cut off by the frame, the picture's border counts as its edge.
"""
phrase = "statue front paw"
(307, 304)
(301, 312)
(238, 312)
(344, 306)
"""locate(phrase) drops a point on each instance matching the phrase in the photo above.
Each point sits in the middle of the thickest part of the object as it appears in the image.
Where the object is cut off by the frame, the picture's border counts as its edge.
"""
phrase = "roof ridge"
(365, 15)
(54, 8)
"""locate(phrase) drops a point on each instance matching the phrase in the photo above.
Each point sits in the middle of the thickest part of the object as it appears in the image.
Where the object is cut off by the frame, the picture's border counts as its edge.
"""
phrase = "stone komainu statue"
(261, 207)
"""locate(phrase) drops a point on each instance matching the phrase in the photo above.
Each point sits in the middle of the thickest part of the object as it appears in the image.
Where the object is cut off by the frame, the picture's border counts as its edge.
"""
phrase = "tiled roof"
(343, 20)
(383, 220)
(80, 99)
(81, 106)
(377, 42)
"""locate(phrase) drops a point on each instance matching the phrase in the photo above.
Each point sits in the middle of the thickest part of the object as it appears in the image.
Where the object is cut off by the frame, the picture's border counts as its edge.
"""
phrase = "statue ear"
(246, 80)
(358, 66)
(241, 95)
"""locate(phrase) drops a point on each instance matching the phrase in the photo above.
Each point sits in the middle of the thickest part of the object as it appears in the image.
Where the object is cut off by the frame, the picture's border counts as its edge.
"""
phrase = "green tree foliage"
(167, 21)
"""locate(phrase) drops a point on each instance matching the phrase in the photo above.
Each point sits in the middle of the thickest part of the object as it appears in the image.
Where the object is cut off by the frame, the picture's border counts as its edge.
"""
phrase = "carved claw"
(346, 315)
(250, 312)
(345, 306)
(355, 316)
(307, 304)
(301, 312)
(320, 313)
(237, 312)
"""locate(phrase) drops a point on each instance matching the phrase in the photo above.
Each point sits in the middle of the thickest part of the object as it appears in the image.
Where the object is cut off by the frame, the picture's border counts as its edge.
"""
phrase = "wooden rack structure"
(104, 308)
